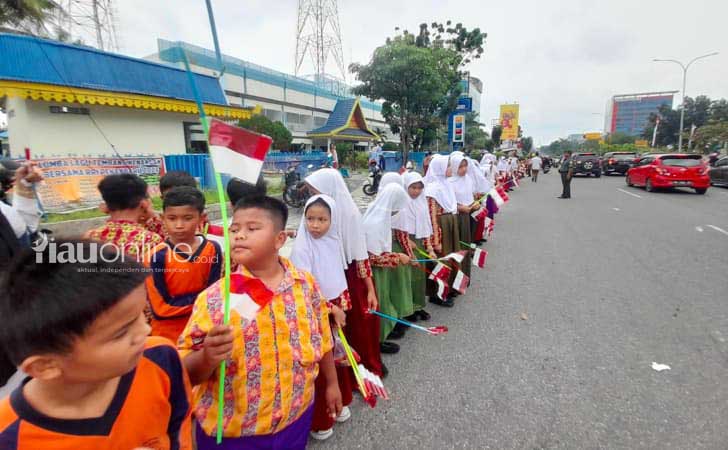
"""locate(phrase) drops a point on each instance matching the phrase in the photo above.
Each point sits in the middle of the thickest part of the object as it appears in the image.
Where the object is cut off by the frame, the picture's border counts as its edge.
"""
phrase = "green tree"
(526, 145)
(495, 135)
(719, 111)
(259, 123)
(667, 131)
(475, 136)
(418, 78)
(710, 137)
(29, 16)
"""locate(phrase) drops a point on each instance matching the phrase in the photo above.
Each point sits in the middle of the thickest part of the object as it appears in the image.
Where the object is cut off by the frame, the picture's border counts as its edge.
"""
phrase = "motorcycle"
(295, 193)
(371, 186)
(546, 165)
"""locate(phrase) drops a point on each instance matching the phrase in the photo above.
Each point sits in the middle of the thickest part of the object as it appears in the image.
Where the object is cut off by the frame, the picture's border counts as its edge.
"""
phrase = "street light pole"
(685, 68)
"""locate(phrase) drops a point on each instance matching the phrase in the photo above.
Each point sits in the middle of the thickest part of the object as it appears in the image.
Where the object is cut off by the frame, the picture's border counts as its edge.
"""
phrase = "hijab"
(389, 178)
(480, 184)
(437, 186)
(415, 217)
(348, 217)
(323, 257)
(463, 186)
(378, 218)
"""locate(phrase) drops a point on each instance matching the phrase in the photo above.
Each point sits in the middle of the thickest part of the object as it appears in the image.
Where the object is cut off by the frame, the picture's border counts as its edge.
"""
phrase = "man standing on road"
(566, 169)
(535, 167)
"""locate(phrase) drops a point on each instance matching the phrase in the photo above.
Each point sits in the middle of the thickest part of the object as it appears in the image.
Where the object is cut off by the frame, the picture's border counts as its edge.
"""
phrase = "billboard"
(509, 122)
(596, 136)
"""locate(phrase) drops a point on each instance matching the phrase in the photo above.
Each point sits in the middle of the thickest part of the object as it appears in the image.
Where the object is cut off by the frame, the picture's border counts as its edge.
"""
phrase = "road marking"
(616, 209)
(719, 230)
(699, 229)
(629, 193)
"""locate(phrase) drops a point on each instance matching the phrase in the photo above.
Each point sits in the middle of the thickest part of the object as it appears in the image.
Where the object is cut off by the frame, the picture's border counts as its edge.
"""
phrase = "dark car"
(719, 172)
(618, 162)
(587, 164)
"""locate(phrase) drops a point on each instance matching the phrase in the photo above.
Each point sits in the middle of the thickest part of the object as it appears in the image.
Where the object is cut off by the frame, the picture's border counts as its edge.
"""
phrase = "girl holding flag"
(318, 250)
(413, 230)
(362, 329)
(463, 187)
(389, 262)
(442, 206)
(481, 187)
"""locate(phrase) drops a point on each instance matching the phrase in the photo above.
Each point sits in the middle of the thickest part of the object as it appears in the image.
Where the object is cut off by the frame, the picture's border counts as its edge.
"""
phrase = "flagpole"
(226, 242)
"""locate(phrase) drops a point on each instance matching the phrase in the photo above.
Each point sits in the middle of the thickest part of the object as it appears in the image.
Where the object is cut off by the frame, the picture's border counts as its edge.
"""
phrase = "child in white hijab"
(465, 196)
(318, 250)
(390, 265)
(412, 230)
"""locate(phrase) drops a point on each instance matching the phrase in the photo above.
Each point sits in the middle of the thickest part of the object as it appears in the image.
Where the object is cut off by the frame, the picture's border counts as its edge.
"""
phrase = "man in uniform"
(566, 169)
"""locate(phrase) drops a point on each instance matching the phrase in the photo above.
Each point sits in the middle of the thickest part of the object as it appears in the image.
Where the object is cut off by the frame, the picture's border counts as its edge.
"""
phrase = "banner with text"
(70, 183)
(509, 122)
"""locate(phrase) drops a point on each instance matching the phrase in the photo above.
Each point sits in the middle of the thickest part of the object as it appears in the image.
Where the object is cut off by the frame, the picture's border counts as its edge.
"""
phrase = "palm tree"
(27, 16)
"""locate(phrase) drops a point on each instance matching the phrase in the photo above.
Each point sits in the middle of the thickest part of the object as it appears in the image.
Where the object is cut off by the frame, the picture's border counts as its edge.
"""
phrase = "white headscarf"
(480, 184)
(487, 157)
(348, 217)
(463, 186)
(323, 257)
(389, 178)
(436, 185)
(502, 165)
(415, 217)
(378, 218)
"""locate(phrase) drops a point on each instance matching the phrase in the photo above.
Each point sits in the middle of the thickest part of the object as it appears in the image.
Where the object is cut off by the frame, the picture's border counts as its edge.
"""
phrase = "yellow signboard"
(593, 136)
(641, 143)
(509, 122)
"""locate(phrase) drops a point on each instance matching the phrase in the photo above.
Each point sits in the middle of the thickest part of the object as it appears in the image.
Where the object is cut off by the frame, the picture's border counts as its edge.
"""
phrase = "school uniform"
(151, 408)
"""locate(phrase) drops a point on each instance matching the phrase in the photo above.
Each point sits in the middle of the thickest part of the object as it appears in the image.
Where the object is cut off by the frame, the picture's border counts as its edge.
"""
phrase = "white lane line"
(719, 230)
(699, 229)
(629, 193)
(616, 209)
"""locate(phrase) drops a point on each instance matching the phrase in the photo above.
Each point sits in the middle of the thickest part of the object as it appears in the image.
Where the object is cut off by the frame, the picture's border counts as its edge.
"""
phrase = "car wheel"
(701, 191)
(648, 186)
(597, 174)
(628, 180)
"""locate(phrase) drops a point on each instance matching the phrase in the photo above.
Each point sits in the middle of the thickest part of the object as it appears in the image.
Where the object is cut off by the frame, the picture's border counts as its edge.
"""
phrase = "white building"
(300, 104)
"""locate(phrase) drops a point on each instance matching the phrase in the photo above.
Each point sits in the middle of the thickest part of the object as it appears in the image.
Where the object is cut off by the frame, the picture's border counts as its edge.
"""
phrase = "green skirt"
(394, 290)
(418, 281)
(465, 236)
(450, 243)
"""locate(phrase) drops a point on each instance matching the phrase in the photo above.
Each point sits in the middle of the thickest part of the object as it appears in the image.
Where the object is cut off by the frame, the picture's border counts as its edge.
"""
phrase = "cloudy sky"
(561, 60)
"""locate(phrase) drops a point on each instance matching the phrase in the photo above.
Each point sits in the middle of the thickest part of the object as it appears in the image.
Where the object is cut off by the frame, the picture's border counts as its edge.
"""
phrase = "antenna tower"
(318, 36)
(93, 22)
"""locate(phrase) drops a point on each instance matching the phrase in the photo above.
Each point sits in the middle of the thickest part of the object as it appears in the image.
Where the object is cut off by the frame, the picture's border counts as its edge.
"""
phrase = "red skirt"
(362, 329)
(321, 420)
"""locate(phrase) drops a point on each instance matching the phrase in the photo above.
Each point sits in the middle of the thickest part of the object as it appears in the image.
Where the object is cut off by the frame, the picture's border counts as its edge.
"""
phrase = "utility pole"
(685, 68)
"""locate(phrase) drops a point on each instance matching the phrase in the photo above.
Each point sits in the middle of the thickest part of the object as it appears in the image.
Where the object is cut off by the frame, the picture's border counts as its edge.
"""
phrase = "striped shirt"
(270, 375)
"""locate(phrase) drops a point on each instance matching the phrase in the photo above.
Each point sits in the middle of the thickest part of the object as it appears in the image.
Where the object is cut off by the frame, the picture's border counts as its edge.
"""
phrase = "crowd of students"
(122, 343)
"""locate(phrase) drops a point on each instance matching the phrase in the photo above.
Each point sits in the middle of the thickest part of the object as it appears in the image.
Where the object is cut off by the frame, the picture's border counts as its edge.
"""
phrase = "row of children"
(80, 325)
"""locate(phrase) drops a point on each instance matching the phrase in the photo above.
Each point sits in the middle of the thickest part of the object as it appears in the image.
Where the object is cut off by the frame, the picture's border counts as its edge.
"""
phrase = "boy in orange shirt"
(184, 265)
(95, 379)
(272, 359)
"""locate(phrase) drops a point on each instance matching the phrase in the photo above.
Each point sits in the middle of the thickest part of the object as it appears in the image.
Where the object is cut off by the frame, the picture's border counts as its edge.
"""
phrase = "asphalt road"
(552, 347)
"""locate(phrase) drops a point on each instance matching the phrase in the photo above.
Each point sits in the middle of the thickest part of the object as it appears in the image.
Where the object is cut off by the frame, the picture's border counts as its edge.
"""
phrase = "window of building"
(68, 110)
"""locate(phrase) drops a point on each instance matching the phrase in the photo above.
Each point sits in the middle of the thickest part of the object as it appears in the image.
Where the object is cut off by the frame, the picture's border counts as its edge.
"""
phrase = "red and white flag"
(515, 181)
(491, 227)
(502, 192)
(479, 257)
(440, 272)
(456, 256)
(442, 289)
(248, 295)
(497, 198)
(480, 214)
(236, 151)
(461, 282)
(373, 383)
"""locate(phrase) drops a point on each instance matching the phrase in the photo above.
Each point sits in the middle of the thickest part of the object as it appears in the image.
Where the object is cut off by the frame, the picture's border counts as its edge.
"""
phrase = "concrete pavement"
(552, 346)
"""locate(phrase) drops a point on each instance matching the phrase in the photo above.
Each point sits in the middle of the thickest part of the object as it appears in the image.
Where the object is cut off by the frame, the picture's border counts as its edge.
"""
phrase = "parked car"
(617, 162)
(669, 171)
(719, 172)
(587, 164)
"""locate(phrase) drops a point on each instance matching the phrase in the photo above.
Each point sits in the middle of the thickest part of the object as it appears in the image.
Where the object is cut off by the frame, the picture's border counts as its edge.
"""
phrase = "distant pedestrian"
(536, 164)
(566, 169)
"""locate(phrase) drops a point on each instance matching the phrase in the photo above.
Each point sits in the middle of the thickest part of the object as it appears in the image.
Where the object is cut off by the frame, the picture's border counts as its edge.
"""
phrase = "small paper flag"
(480, 257)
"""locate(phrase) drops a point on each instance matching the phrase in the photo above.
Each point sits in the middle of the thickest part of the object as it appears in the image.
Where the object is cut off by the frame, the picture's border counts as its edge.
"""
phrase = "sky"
(560, 60)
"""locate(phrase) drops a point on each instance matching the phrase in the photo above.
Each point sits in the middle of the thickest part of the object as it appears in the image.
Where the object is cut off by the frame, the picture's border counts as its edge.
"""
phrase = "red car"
(669, 171)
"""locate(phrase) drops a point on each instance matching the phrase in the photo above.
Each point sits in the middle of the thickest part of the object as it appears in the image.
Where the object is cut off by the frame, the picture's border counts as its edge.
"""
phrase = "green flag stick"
(226, 244)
